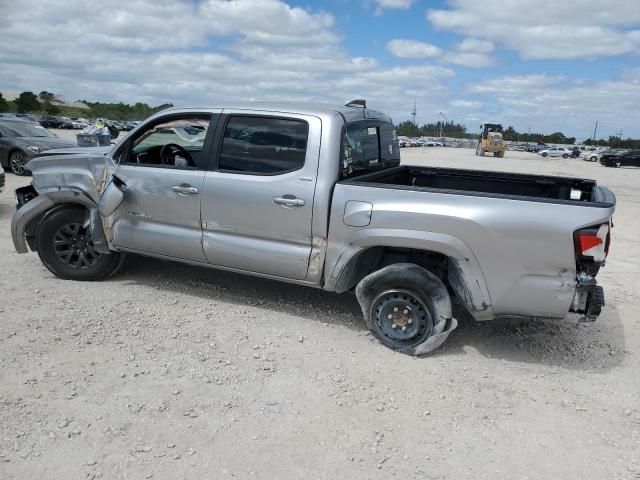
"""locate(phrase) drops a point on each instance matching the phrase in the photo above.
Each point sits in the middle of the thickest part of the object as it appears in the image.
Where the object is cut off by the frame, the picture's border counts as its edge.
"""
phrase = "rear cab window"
(257, 145)
(368, 146)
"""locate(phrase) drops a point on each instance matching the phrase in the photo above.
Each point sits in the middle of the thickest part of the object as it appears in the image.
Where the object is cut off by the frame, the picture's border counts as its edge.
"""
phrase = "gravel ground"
(168, 371)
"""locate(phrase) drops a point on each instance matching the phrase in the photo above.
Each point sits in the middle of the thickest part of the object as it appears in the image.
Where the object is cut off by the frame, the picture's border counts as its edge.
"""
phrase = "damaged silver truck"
(316, 195)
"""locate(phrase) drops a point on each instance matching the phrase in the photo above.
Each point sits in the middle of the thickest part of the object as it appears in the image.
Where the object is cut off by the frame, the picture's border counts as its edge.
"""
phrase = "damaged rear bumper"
(588, 298)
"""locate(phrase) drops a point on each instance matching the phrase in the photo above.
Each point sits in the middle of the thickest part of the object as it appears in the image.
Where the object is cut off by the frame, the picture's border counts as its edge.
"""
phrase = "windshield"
(25, 129)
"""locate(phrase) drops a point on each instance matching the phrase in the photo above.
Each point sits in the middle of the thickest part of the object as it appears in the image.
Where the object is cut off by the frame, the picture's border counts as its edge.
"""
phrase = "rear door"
(257, 203)
(163, 166)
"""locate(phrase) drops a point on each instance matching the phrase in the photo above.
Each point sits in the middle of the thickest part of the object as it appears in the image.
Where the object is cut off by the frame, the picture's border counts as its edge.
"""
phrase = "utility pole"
(595, 130)
(445, 119)
(414, 112)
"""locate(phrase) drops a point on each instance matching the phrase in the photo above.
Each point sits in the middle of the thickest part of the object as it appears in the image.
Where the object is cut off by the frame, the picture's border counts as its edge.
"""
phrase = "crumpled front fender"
(45, 202)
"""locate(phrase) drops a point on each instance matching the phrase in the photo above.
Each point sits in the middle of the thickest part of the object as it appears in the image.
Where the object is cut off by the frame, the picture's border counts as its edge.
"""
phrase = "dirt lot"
(169, 371)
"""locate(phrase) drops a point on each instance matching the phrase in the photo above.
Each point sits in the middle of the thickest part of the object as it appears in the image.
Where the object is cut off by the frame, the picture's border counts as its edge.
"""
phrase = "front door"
(163, 166)
(257, 204)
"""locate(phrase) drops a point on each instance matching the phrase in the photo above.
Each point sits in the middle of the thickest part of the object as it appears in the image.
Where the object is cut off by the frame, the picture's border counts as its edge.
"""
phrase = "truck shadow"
(243, 290)
(563, 343)
(554, 342)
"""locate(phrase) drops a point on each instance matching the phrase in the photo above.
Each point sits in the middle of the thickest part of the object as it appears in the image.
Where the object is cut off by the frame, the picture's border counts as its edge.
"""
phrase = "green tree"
(46, 103)
(27, 102)
(408, 129)
(4, 105)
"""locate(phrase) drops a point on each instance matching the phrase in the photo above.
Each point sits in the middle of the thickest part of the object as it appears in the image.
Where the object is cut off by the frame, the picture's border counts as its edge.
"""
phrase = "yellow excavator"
(491, 140)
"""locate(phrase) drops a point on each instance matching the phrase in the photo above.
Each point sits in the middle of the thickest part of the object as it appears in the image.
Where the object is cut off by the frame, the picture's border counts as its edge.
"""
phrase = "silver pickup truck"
(316, 195)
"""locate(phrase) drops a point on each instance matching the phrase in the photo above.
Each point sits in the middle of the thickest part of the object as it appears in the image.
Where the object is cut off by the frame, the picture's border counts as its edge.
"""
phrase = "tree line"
(457, 130)
(47, 103)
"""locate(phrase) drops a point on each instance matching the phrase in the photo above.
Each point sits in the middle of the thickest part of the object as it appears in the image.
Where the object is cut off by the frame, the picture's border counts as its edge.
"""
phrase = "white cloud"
(547, 29)
(465, 104)
(471, 53)
(403, 4)
(475, 45)
(412, 49)
(469, 59)
(199, 54)
(554, 103)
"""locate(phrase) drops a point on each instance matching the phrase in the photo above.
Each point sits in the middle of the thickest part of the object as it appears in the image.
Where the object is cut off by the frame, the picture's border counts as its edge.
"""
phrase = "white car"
(555, 152)
(592, 155)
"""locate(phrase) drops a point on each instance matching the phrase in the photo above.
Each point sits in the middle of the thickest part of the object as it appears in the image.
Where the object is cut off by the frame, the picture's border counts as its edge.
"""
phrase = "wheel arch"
(26, 219)
(446, 256)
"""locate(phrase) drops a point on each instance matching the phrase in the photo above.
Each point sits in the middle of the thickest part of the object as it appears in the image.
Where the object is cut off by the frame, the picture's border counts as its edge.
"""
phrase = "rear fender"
(465, 275)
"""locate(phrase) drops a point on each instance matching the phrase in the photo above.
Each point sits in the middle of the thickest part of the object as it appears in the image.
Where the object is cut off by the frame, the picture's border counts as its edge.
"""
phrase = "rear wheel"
(66, 248)
(406, 307)
(17, 161)
(565, 155)
(594, 159)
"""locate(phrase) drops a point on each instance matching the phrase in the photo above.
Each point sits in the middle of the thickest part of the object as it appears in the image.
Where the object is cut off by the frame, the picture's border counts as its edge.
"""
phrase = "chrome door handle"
(288, 201)
(185, 189)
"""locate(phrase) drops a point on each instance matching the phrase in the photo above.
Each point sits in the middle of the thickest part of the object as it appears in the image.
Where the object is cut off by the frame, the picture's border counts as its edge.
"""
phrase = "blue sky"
(539, 64)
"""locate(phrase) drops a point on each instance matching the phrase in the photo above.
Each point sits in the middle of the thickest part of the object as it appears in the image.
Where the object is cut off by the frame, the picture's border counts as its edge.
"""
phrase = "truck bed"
(494, 184)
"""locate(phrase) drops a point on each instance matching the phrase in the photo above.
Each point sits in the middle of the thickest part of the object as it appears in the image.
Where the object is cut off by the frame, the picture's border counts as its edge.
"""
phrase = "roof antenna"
(358, 103)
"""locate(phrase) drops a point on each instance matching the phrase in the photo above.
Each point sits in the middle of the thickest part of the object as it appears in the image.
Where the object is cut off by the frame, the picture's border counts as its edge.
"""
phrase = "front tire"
(65, 247)
(17, 162)
(545, 154)
(406, 307)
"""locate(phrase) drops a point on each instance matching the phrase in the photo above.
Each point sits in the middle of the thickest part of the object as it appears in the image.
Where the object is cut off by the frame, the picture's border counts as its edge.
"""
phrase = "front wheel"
(66, 248)
(407, 308)
(545, 154)
(17, 161)
(565, 155)
(594, 159)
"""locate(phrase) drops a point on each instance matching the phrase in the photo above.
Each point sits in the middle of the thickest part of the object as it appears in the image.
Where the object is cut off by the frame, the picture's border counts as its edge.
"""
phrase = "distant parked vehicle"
(79, 123)
(49, 121)
(66, 122)
(21, 140)
(29, 117)
(626, 159)
(594, 156)
(555, 152)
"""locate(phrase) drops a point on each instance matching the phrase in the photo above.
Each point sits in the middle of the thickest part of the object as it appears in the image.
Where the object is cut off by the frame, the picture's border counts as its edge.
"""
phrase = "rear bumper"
(588, 298)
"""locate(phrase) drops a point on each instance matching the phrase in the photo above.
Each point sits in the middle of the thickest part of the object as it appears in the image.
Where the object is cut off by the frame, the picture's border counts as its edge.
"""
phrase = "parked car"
(629, 158)
(594, 156)
(21, 140)
(79, 123)
(316, 196)
(537, 148)
(49, 121)
(29, 117)
(66, 122)
(2, 179)
(555, 152)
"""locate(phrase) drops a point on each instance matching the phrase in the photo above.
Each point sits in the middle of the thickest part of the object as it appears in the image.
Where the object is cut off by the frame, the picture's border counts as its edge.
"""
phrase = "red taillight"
(593, 243)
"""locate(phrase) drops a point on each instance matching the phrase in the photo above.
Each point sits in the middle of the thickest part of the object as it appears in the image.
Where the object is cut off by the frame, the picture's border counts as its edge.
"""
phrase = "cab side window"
(178, 142)
(263, 145)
